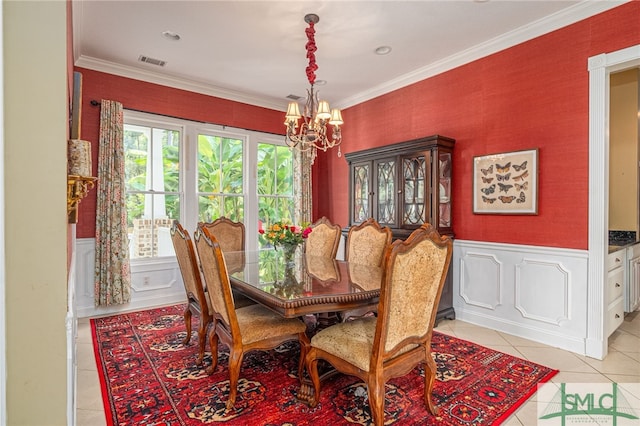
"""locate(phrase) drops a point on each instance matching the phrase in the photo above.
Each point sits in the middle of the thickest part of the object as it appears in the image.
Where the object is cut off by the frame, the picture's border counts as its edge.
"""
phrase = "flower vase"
(289, 254)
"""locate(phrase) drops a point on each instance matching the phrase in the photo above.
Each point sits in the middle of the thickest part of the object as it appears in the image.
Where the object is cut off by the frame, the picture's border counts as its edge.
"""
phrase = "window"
(275, 184)
(194, 172)
(152, 183)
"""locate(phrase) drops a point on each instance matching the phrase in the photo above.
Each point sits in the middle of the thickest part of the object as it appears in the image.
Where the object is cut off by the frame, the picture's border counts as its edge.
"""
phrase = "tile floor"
(622, 365)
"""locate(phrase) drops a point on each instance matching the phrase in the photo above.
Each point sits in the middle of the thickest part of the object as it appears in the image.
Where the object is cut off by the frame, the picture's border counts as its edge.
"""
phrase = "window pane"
(220, 178)
(148, 234)
(136, 146)
(211, 207)
(285, 209)
(266, 210)
(208, 164)
(168, 174)
(231, 166)
(235, 207)
(284, 176)
(266, 169)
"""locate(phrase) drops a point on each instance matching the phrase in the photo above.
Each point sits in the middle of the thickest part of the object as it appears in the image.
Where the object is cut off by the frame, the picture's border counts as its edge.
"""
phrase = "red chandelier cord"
(311, 49)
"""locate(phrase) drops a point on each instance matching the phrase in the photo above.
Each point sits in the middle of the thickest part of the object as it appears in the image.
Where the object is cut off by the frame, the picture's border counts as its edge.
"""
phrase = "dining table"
(307, 285)
(324, 288)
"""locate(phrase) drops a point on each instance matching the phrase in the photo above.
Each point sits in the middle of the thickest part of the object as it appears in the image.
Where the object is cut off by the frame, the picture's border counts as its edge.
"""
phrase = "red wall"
(153, 98)
(534, 95)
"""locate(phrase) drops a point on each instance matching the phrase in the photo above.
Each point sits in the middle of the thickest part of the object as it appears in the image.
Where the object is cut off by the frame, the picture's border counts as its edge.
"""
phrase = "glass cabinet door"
(413, 181)
(444, 189)
(386, 191)
(361, 192)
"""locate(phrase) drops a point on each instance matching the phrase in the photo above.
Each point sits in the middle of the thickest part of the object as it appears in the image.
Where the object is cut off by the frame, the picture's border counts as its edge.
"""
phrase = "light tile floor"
(622, 364)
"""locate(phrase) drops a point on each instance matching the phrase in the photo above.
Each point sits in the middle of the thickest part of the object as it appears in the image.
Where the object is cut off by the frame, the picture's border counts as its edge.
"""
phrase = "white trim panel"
(155, 283)
(538, 293)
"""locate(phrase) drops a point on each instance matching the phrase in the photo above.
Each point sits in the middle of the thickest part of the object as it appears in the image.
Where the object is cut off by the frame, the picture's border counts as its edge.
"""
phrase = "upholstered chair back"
(324, 239)
(214, 270)
(229, 234)
(367, 242)
(415, 275)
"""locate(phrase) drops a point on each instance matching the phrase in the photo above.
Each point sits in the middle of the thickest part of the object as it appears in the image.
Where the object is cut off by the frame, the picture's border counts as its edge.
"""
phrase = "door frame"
(600, 68)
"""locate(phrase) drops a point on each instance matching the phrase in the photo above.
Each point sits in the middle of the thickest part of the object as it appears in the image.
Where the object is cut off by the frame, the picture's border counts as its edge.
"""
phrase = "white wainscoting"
(154, 283)
(538, 293)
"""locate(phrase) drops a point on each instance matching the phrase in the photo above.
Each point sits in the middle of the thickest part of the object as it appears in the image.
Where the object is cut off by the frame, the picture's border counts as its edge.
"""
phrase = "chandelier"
(312, 133)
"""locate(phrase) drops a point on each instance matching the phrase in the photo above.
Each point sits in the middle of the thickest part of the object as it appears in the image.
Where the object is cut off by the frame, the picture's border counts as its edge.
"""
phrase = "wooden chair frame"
(194, 288)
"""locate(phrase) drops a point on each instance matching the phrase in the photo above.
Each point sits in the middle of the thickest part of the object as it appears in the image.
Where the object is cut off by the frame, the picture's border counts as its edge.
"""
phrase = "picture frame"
(506, 183)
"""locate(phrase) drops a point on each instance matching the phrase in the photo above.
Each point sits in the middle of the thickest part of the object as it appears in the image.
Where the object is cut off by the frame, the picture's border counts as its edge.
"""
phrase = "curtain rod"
(93, 102)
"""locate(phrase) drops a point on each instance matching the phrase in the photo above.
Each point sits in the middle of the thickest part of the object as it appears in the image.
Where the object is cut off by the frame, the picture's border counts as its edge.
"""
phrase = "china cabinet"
(402, 186)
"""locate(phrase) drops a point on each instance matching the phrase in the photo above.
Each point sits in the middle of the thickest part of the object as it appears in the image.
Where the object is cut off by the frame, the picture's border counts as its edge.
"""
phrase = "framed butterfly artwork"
(506, 183)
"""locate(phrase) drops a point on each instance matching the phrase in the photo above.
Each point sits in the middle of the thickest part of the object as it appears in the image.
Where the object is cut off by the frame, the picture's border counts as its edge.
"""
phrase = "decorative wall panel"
(548, 280)
(478, 267)
(538, 293)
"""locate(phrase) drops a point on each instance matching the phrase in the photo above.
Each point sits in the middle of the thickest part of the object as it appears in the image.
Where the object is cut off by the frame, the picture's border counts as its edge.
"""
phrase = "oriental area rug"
(149, 378)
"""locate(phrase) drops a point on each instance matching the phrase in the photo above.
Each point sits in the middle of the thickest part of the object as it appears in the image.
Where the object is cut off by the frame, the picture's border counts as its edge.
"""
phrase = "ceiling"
(254, 51)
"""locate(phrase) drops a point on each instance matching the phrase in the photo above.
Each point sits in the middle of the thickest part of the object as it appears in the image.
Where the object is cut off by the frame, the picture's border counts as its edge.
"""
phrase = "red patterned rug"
(148, 377)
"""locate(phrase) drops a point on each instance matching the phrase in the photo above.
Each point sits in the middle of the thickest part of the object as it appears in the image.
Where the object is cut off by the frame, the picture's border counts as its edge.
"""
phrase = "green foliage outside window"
(275, 185)
(220, 178)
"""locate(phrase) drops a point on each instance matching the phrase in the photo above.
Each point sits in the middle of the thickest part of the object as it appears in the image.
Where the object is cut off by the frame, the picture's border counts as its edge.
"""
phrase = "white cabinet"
(632, 290)
(616, 267)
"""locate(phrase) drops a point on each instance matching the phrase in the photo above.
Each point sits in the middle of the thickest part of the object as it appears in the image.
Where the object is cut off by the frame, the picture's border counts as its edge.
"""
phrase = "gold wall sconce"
(77, 188)
(79, 179)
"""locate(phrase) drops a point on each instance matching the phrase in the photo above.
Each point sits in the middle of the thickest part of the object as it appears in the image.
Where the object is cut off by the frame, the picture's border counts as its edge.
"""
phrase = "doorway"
(600, 68)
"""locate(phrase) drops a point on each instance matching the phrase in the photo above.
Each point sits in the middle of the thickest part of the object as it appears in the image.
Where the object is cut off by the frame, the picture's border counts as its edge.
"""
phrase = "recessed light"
(383, 50)
(320, 82)
(170, 35)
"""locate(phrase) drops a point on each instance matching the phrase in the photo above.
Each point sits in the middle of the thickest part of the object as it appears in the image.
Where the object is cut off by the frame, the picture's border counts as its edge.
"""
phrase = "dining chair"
(367, 242)
(231, 237)
(366, 246)
(376, 349)
(324, 239)
(245, 329)
(230, 234)
(197, 303)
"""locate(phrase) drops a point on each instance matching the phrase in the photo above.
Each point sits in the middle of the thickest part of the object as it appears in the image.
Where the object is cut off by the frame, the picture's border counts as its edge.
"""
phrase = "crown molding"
(571, 15)
(177, 83)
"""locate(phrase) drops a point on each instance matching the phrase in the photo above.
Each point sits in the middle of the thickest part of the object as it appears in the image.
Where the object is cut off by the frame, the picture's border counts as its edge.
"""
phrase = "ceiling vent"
(152, 61)
(294, 97)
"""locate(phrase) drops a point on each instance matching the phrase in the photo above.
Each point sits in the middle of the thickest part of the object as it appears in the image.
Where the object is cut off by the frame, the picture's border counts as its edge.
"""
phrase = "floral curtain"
(112, 274)
(302, 185)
